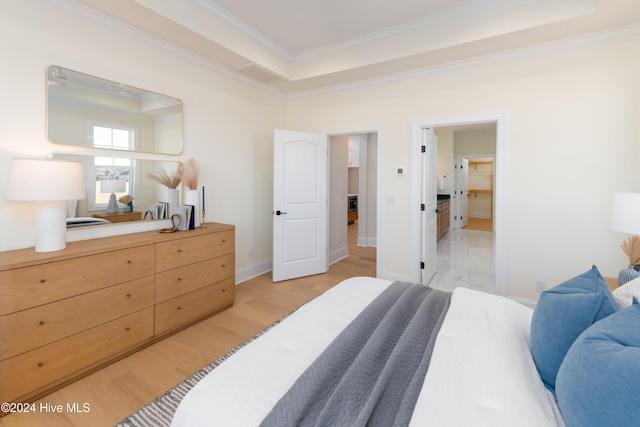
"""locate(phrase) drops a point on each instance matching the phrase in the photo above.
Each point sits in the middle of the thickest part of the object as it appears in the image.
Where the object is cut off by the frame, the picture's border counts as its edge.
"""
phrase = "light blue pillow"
(562, 314)
(599, 381)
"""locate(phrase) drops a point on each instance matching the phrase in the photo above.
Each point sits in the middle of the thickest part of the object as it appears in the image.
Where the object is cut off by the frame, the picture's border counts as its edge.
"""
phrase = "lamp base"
(51, 226)
(112, 207)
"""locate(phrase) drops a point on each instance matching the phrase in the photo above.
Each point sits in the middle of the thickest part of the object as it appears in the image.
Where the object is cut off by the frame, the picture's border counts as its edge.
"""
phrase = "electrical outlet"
(541, 285)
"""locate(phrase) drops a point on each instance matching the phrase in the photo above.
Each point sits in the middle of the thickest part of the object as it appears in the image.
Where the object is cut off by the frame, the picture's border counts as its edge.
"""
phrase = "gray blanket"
(372, 373)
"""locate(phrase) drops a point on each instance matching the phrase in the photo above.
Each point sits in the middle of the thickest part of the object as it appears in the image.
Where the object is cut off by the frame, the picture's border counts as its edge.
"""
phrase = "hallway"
(465, 258)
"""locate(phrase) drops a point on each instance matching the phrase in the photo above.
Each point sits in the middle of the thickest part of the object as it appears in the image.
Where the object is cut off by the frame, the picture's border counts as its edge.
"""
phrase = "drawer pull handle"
(42, 322)
(179, 308)
(127, 329)
(128, 295)
(42, 280)
(179, 250)
(40, 364)
(128, 261)
(179, 279)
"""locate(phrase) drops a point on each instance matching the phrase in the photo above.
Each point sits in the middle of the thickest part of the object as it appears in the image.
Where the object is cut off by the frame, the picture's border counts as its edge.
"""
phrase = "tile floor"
(466, 258)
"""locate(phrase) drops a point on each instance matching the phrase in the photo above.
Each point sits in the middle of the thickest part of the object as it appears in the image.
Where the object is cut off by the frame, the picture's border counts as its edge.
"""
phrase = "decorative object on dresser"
(112, 186)
(105, 299)
(50, 183)
(128, 201)
(190, 180)
(625, 217)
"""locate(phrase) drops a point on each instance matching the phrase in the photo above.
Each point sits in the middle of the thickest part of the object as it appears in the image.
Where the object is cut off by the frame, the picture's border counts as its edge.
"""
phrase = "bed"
(482, 370)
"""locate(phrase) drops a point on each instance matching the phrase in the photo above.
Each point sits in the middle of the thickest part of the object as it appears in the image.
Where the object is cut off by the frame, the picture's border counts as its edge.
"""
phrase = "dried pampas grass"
(631, 247)
(190, 175)
(169, 181)
(126, 199)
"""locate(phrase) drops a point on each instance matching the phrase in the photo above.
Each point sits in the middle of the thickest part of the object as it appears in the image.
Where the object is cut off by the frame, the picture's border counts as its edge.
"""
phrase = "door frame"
(456, 184)
(377, 129)
(500, 185)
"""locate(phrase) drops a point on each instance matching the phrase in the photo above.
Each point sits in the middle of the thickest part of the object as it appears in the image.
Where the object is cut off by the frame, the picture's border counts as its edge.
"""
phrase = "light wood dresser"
(68, 313)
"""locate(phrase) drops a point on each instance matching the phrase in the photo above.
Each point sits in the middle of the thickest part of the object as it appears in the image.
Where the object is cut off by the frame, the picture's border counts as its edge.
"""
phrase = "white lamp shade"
(39, 180)
(113, 186)
(625, 212)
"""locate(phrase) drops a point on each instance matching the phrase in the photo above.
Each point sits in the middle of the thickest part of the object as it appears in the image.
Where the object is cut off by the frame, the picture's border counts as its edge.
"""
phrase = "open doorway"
(353, 187)
(445, 177)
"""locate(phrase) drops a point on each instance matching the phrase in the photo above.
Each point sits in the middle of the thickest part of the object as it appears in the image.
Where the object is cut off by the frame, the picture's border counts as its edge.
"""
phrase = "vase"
(173, 200)
(128, 207)
(627, 275)
(192, 197)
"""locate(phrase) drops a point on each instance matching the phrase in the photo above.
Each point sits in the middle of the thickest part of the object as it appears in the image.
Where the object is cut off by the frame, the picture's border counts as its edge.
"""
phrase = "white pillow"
(625, 293)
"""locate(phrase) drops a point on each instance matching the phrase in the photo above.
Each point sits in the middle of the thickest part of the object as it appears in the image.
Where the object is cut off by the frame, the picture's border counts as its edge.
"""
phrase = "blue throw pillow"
(599, 381)
(562, 314)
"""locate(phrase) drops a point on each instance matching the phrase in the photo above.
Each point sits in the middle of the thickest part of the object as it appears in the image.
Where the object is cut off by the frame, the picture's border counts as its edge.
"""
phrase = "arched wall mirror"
(87, 111)
(122, 176)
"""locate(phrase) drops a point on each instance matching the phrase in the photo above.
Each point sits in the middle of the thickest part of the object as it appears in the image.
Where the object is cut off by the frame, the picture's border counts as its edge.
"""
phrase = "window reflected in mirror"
(128, 180)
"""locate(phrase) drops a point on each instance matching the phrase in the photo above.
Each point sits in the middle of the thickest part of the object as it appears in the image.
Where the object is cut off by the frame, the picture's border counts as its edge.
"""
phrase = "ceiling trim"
(522, 54)
(95, 18)
(420, 24)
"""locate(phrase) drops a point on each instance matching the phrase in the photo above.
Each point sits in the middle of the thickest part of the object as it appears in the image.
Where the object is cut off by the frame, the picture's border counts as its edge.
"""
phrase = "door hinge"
(423, 149)
(422, 207)
(421, 265)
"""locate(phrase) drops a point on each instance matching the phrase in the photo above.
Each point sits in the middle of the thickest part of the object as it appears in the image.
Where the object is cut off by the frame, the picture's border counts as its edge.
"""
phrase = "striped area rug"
(159, 412)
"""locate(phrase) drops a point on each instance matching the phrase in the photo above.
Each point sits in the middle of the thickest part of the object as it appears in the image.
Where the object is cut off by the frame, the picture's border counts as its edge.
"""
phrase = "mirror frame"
(110, 93)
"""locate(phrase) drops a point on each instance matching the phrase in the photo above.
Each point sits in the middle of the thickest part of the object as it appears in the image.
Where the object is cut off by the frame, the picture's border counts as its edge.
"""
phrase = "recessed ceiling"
(302, 46)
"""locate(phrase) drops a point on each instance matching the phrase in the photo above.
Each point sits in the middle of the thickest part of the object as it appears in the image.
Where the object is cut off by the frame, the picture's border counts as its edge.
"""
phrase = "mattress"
(481, 373)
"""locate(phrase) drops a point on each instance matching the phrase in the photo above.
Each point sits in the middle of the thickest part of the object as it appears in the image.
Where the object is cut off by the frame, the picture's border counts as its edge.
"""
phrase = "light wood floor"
(480, 224)
(121, 388)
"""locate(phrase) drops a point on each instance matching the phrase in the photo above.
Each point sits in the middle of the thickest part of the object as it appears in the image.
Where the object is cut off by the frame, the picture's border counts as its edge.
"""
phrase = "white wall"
(338, 188)
(574, 114)
(228, 124)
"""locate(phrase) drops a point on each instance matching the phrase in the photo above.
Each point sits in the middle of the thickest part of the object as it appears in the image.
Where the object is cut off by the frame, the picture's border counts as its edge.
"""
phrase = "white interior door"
(299, 204)
(429, 205)
(463, 192)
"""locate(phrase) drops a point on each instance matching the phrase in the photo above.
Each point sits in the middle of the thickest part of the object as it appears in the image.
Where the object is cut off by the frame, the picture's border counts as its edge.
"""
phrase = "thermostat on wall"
(400, 171)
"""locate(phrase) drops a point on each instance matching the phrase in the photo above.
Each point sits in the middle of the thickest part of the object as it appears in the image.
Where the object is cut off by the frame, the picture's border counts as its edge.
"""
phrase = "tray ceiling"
(301, 46)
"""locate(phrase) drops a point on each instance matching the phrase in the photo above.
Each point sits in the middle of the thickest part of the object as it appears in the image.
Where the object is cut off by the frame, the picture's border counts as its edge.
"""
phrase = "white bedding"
(481, 373)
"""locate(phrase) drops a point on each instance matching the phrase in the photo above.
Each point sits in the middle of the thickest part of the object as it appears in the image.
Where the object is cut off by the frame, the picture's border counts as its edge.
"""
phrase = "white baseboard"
(526, 302)
(367, 241)
(338, 255)
(481, 215)
(253, 270)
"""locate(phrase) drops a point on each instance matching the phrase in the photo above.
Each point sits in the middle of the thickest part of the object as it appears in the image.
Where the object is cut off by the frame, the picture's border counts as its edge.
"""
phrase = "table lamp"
(112, 186)
(49, 183)
(625, 213)
(625, 217)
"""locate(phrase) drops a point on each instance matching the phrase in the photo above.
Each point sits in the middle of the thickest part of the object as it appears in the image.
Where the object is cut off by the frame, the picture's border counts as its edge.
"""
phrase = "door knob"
(280, 213)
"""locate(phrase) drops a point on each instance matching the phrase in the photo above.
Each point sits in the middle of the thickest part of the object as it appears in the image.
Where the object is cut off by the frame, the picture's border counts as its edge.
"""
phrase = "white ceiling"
(301, 46)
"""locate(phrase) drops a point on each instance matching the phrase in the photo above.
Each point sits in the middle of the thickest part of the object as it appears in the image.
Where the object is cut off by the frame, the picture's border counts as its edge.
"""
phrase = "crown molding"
(92, 17)
(580, 42)
(436, 20)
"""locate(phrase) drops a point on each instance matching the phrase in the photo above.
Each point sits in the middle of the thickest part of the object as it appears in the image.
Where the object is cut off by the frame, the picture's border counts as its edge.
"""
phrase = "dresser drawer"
(185, 308)
(179, 281)
(178, 253)
(28, 329)
(52, 363)
(28, 287)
